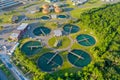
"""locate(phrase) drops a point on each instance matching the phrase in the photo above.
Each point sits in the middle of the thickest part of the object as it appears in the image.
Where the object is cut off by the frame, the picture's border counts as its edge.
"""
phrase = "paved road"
(6, 60)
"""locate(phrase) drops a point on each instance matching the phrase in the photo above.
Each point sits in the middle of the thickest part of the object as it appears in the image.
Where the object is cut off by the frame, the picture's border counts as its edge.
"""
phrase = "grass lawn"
(65, 42)
(51, 25)
(89, 5)
(35, 15)
(6, 17)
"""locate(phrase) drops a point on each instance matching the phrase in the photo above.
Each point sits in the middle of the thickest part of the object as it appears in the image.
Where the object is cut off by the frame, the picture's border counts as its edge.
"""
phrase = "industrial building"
(16, 34)
(78, 2)
(4, 4)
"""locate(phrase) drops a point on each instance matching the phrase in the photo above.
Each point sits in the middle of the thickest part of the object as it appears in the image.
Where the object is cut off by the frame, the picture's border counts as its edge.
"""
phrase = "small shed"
(14, 19)
(53, 16)
(51, 8)
(78, 2)
(57, 33)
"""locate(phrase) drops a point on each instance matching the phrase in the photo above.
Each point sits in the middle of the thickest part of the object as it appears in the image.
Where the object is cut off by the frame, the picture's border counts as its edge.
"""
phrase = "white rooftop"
(53, 16)
(57, 32)
(14, 35)
(79, 1)
(22, 26)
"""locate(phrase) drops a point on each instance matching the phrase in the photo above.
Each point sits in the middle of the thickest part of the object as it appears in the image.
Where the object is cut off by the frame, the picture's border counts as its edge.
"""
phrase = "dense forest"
(105, 22)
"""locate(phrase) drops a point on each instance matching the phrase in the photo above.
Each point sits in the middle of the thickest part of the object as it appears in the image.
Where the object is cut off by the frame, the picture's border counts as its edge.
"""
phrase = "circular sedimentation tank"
(31, 47)
(62, 16)
(85, 40)
(41, 31)
(45, 17)
(69, 28)
(50, 62)
(79, 58)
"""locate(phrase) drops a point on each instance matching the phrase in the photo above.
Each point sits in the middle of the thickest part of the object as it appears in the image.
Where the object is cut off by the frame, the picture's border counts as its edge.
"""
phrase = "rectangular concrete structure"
(8, 3)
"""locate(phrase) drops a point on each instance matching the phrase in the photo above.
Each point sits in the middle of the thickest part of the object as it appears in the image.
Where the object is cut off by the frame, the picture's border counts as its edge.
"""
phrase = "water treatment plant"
(59, 40)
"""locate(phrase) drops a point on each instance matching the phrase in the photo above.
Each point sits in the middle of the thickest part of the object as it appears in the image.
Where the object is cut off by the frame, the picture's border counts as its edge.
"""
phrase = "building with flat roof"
(8, 3)
(16, 34)
(57, 33)
(78, 2)
(22, 27)
(53, 16)
(14, 19)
